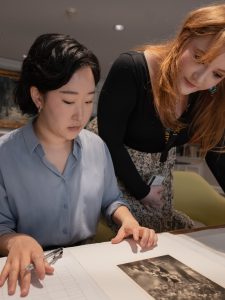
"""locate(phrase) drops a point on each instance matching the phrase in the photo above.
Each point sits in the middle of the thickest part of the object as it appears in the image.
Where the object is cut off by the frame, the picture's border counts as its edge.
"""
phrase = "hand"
(23, 250)
(130, 227)
(154, 198)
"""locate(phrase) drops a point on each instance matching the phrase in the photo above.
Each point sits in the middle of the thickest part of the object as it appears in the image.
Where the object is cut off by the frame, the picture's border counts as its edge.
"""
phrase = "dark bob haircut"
(50, 63)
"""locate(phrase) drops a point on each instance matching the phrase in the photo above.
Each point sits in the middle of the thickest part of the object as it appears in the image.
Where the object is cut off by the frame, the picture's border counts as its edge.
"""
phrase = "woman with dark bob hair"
(62, 174)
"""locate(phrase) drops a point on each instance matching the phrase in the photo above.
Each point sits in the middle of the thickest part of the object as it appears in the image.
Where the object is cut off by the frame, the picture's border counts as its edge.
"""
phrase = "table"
(92, 272)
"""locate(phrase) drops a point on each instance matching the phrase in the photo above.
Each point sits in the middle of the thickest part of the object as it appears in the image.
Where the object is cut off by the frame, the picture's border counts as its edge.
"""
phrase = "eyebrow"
(75, 93)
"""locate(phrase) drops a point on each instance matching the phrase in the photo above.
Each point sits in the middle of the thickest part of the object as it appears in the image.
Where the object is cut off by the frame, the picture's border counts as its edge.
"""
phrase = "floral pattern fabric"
(147, 164)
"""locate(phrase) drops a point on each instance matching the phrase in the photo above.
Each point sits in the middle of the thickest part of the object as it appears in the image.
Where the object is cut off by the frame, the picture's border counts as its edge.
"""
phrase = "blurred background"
(91, 22)
(106, 27)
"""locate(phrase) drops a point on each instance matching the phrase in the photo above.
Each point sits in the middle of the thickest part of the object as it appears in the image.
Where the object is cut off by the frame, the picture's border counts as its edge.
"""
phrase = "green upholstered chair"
(194, 196)
(104, 233)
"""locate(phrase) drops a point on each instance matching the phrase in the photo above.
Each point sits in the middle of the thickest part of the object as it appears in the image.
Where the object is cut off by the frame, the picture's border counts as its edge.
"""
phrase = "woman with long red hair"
(159, 97)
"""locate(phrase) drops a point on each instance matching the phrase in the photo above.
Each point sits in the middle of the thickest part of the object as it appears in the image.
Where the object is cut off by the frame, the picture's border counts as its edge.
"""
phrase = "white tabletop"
(92, 272)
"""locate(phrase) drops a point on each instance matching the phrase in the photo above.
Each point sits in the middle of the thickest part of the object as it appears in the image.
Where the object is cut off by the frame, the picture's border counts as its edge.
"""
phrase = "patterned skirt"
(147, 164)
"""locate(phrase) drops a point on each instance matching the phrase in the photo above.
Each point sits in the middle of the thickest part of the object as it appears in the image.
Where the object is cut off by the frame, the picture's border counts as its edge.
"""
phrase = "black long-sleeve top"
(127, 116)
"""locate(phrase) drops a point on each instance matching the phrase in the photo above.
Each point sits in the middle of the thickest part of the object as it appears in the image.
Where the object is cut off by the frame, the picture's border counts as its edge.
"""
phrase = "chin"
(73, 136)
(186, 91)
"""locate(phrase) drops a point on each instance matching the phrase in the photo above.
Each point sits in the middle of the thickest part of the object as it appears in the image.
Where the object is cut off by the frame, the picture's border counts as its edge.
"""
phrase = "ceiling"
(21, 21)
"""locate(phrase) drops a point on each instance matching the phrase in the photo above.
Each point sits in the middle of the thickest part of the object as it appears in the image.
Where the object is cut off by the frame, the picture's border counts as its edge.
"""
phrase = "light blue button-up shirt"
(55, 208)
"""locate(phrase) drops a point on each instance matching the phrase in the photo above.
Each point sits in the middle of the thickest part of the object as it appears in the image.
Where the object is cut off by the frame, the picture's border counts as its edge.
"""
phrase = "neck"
(181, 105)
(48, 139)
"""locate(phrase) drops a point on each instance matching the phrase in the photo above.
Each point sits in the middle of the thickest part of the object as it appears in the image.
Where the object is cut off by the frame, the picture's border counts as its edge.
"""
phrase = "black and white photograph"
(164, 277)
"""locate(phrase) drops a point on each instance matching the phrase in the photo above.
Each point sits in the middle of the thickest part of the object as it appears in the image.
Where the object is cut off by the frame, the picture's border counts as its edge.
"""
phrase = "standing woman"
(163, 96)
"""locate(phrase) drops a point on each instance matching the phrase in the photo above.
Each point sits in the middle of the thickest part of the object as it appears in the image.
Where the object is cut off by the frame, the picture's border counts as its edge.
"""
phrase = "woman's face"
(66, 111)
(194, 76)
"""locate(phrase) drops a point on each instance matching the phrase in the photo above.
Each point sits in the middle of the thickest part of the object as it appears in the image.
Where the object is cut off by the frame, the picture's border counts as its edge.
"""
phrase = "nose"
(199, 76)
(78, 112)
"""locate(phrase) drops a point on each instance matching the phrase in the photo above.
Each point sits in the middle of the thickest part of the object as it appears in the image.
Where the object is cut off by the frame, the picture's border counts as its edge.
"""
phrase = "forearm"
(122, 215)
(127, 172)
(117, 103)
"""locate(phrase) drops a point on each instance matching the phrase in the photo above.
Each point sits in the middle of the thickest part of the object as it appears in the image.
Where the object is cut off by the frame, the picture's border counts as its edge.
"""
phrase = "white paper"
(69, 282)
(101, 260)
(91, 271)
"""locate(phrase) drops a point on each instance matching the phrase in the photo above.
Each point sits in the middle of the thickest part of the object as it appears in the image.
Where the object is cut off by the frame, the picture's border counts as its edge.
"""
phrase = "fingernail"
(10, 292)
(24, 293)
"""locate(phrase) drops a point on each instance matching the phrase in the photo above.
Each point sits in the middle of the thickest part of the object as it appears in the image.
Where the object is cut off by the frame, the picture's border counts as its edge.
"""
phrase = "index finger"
(119, 237)
(136, 234)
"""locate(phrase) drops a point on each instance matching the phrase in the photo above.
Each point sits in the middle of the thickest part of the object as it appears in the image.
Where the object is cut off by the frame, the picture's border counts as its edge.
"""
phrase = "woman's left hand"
(146, 237)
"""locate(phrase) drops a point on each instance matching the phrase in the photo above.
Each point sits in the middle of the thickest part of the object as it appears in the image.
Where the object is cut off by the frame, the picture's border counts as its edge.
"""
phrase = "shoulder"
(9, 139)
(129, 58)
(129, 66)
(10, 146)
(89, 138)
(92, 146)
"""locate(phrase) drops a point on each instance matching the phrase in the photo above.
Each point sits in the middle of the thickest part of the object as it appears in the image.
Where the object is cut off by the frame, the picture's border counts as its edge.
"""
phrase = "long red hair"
(208, 124)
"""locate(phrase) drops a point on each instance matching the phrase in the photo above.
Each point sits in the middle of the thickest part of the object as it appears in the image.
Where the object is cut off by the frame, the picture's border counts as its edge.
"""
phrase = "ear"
(36, 97)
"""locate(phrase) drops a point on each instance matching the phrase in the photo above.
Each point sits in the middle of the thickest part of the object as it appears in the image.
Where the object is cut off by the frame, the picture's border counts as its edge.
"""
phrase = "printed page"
(102, 262)
(165, 275)
(69, 282)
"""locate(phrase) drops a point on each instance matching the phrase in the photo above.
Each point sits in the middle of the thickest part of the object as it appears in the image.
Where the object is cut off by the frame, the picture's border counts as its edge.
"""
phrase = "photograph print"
(165, 277)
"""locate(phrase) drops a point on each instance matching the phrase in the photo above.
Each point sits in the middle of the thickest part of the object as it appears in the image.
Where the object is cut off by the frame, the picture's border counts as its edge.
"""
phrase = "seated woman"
(55, 177)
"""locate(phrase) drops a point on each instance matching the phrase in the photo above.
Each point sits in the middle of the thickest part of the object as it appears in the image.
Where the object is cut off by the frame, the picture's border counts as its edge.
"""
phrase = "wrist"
(129, 220)
(8, 240)
(123, 216)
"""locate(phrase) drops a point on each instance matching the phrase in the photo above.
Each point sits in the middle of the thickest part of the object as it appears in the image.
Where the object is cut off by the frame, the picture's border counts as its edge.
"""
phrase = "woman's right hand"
(154, 198)
(23, 250)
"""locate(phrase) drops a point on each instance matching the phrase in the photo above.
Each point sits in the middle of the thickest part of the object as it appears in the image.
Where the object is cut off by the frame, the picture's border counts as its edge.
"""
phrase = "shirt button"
(65, 231)
(65, 206)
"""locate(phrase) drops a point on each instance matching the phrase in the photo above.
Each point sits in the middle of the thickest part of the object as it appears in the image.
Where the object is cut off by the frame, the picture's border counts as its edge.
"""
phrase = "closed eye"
(218, 75)
(68, 102)
(197, 57)
(89, 101)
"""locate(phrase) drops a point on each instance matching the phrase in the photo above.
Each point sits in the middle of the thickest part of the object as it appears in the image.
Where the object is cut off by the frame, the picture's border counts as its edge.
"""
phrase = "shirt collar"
(32, 141)
(77, 146)
(30, 137)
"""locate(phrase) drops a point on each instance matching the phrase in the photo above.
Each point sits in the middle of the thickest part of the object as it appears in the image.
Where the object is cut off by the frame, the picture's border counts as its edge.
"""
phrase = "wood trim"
(183, 231)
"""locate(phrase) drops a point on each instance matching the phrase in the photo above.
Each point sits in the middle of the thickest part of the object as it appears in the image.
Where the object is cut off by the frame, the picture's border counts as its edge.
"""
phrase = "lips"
(74, 127)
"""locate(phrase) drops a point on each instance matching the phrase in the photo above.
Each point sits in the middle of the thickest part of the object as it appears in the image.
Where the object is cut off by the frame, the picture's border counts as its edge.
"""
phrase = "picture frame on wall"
(10, 115)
